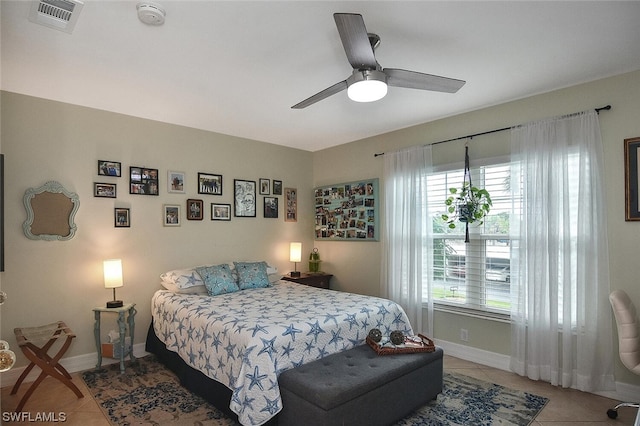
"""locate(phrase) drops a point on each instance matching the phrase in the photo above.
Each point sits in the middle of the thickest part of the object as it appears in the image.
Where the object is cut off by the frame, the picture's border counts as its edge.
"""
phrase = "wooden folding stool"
(35, 342)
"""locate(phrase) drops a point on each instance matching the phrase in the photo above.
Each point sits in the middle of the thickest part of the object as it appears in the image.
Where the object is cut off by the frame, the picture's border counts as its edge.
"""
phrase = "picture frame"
(347, 211)
(143, 181)
(171, 214)
(109, 168)
(175, 182)
(220, 211)
(270, 210)
(631, 179)
(1, 212)
(277, 187)
(209, 183)
(194, 209)
(122, 217)
(244, 195)
(265, 186)
(291, 204)
(104, 190)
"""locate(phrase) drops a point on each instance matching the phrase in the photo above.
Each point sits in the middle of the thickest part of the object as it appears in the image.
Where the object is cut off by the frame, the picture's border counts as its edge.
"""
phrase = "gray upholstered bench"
(359, 387)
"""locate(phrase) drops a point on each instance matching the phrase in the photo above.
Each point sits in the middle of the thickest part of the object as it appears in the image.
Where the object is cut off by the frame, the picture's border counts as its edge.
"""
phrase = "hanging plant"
(467, 204)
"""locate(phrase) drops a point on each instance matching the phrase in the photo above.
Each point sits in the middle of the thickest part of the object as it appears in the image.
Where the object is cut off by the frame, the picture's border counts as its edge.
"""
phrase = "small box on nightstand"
(112, 350)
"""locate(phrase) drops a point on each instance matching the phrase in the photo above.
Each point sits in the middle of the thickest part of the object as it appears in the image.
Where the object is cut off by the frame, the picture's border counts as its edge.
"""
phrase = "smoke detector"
(58, 14)
(150, 13)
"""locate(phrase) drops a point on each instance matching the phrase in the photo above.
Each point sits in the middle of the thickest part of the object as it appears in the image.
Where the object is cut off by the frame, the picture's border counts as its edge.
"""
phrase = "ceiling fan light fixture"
(367, 86)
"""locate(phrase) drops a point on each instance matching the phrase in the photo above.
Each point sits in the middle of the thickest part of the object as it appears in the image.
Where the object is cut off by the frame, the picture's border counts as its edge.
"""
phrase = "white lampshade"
(113, 273)
(295, 252)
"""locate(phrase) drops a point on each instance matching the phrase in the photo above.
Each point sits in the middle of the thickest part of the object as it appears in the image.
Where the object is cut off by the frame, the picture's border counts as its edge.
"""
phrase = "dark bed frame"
(212, 391)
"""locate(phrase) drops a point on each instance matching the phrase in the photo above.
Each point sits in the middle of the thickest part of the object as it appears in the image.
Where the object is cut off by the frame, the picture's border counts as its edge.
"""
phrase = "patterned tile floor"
(567, 407)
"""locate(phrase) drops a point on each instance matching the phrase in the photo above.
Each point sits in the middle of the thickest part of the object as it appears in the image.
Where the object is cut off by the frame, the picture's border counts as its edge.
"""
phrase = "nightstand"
(122, 348)
(319, 280)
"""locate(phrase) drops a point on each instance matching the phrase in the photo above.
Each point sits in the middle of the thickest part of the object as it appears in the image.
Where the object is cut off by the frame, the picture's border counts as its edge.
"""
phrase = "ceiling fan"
(369, 80)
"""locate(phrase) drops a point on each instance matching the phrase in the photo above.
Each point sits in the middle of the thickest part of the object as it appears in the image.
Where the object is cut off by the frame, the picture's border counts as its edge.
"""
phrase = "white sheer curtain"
(406, 244)
(561, 318)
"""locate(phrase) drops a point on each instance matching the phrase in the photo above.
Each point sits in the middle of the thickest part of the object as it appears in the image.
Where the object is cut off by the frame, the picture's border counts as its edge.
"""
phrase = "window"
(474, 275)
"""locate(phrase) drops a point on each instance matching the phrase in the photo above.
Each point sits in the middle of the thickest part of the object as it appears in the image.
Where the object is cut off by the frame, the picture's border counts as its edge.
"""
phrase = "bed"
(243, 340)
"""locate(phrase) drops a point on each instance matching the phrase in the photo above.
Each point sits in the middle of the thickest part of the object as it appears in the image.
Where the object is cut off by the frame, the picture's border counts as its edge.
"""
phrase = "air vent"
(59, 14)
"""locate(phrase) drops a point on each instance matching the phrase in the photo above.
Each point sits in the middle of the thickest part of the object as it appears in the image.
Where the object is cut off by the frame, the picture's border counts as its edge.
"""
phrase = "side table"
(319, 279)
(128, 309)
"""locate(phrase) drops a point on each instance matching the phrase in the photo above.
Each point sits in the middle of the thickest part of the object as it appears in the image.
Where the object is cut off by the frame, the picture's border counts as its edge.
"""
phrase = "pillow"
(271, 270)
(252, 274)
(218, 279)
(274, 277)
(196, 289)
(181, 279)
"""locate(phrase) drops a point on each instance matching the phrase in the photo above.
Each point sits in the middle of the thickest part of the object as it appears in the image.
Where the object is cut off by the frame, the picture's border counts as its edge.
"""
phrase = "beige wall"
(356, 264)
(61, 280)
(44, 140)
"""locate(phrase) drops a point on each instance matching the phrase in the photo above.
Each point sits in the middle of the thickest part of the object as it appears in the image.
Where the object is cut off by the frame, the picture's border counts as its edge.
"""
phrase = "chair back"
(628, 330)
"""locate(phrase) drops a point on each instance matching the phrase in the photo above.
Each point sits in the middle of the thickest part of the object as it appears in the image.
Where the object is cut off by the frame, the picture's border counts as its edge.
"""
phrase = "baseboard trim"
(479, 356)
(623, 392)
(71, 364)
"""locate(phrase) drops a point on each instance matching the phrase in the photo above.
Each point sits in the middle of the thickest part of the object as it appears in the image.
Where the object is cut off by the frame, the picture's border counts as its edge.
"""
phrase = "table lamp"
(113, 279)
(295, 256)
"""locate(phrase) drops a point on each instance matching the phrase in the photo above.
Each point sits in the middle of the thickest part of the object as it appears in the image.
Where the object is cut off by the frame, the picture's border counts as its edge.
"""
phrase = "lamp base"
(294, 274)
(114, 304)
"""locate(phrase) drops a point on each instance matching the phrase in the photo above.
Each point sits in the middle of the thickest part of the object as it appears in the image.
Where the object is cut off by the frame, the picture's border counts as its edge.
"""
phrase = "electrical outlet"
(464, 335)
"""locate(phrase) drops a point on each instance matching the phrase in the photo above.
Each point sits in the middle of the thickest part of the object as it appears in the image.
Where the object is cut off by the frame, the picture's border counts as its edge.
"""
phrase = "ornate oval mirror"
(50, 212)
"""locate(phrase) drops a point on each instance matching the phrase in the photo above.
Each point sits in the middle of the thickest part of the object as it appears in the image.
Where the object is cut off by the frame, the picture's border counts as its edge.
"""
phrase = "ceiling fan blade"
(338, 87)
(418, 80)
(355, 40)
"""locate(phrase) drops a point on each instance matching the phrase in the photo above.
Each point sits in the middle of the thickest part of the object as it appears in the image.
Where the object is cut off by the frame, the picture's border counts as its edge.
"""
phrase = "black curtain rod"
(604, 108)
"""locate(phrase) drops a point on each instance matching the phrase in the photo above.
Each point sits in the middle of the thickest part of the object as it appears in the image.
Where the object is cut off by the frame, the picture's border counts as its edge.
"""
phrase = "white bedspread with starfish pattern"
(245, 339)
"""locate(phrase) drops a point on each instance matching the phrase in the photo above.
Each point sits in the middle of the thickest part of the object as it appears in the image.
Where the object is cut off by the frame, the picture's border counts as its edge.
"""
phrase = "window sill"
(473, 313)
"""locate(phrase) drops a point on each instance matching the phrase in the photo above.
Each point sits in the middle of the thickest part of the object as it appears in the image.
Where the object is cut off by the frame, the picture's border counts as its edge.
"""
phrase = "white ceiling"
(237, 67)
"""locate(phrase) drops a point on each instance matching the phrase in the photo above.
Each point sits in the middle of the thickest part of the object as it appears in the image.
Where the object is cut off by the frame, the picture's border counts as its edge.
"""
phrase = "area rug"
(150, 394)
(466, 401)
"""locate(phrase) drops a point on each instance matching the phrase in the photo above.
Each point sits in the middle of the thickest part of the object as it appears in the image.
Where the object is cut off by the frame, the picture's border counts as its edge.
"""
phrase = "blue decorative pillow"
(252, 274)
(218, 279)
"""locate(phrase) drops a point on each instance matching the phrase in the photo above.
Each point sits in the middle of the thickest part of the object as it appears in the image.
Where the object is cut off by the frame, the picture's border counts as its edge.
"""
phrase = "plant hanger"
(465, 179)
(467, 204)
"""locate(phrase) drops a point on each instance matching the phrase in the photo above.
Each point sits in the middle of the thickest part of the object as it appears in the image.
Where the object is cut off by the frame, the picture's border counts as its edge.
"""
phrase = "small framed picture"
(171, 214)
(209, 184)
(220, 211)
(291, 206)
(194, 209)
(175, 181)
(265, 185)
(277, 187)
(106, 190)
(122, 218)
(245, 198)
(109, 168)
(143, 181)
(271, 207)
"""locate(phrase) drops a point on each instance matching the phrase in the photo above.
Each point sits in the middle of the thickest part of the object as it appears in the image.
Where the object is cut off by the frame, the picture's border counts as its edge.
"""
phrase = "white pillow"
(183, 281)
(196, 289)
(271, 270)
(274, 278)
